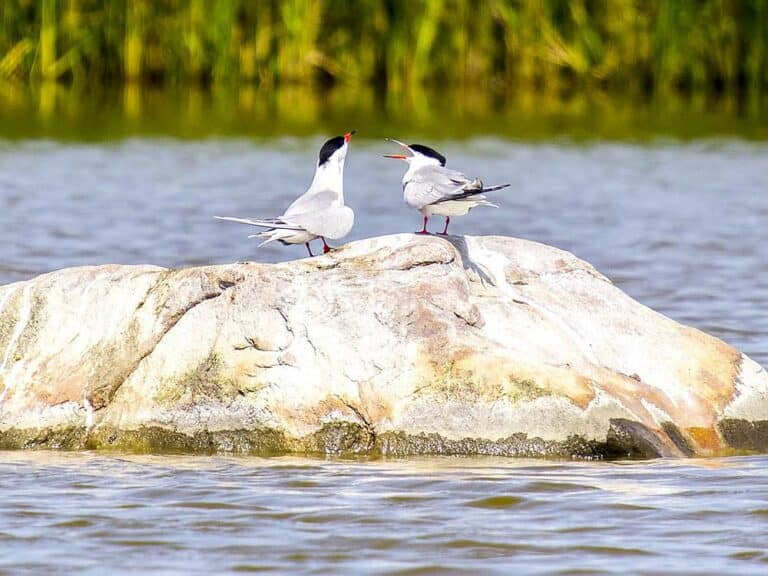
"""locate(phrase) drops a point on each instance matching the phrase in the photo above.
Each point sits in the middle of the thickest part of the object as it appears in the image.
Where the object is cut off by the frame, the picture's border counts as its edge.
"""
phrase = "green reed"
(663, 45)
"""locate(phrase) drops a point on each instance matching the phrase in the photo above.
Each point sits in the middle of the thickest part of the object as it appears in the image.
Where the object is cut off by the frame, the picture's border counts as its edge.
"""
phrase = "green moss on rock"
(745, 435)
(524, 389)
(342, 438)
(518, 445)
(31, 331)
(63, 438)
(157, 440)
(625, 439)
(206, 381)
(9, 316)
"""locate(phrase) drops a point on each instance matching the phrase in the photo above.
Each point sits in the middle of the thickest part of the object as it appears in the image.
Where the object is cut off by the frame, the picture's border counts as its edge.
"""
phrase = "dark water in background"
(99, 514)
(670, 203)
(53, 111)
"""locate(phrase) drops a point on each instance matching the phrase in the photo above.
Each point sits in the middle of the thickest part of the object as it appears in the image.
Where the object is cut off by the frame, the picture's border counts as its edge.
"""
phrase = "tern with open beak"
(318, 213)
(433, 189)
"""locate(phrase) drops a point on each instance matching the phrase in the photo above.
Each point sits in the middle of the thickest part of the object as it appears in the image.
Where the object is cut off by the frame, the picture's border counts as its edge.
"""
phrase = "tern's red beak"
(396, 156)
(348, 135)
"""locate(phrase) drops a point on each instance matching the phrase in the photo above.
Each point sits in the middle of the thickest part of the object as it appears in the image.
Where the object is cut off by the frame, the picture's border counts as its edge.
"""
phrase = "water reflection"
(57, 111)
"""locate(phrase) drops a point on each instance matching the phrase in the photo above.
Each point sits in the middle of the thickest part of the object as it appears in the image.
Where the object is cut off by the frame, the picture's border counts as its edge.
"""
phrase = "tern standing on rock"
(319, 212)
(433, 189)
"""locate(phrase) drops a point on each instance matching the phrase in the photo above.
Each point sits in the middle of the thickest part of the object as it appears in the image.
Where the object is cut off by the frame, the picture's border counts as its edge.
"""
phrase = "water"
(679, 226)
(59, 112)
(92, 514)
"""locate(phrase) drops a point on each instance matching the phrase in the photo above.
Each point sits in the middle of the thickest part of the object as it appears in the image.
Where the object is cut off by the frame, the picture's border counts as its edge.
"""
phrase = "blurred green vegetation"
(626, 69)
(61, 112)
(639, 45)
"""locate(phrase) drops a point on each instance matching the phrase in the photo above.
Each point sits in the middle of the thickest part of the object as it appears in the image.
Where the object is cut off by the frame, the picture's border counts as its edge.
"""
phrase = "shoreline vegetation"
(526, 69)
(646, 47)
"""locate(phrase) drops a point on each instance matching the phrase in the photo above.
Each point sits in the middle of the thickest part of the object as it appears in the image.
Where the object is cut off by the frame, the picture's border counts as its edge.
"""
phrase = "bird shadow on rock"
(460, 243)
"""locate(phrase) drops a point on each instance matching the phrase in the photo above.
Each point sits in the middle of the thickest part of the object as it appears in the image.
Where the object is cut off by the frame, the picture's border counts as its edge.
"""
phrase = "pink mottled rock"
(400, 344)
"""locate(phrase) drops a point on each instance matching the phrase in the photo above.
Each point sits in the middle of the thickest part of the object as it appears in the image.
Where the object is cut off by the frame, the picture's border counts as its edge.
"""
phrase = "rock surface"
(395, 345)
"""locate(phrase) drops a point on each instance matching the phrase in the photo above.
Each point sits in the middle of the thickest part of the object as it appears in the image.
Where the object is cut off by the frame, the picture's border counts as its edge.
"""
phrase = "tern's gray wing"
(434, 184)
(450, 176)
(334, 221)
(321, 213)
(312, 201)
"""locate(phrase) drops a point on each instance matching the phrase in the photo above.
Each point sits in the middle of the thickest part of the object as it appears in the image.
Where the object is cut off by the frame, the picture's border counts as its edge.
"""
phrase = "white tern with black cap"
(433, 189)
(318, 213)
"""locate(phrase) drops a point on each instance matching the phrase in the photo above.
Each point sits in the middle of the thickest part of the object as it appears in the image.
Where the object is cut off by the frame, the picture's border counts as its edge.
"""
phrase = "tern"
(433, 189)
(319, 212)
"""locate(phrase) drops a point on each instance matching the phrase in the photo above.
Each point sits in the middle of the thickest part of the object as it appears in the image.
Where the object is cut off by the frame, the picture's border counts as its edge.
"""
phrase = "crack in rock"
(365, 422)
(168, 325)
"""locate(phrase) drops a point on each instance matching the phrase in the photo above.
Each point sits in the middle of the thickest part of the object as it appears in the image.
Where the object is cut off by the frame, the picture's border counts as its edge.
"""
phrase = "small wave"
(496, 502)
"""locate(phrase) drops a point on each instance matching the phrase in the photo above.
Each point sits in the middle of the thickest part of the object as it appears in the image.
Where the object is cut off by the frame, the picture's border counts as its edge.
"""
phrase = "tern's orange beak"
(398, 156)
(348, 135)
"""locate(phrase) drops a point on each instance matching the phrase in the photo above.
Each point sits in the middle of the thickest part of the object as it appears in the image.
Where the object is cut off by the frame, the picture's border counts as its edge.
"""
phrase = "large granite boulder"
(394, 345)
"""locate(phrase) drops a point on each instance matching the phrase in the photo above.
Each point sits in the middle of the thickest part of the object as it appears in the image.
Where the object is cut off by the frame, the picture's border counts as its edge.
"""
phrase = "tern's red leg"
(424, 229)
(326, 248)
(308, 249)
(445, 230)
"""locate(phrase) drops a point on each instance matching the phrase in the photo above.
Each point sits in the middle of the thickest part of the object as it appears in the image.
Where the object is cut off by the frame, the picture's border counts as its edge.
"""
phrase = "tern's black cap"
(427, 151)
(329, 148)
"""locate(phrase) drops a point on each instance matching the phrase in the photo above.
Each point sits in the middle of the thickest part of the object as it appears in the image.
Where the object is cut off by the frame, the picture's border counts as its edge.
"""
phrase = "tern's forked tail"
(263, 222)
(275, 234)
(475, 193)
(493, 188)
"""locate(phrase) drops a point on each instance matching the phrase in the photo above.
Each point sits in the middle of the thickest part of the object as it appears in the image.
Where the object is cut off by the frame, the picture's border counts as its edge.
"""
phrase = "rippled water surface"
(97, 514)
(682, 227)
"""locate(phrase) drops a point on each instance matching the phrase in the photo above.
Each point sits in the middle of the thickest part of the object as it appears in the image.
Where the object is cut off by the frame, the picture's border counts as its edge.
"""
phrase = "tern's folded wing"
(312, 201)
(433, 184)
(333, 222)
